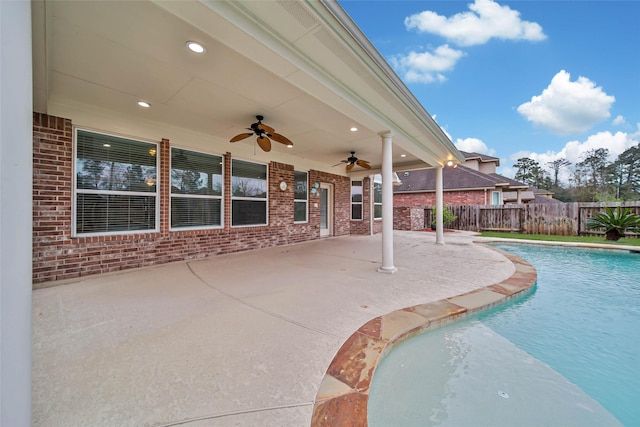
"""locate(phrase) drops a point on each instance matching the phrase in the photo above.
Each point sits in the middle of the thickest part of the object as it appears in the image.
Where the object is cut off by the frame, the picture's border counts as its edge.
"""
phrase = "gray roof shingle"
(458, 178)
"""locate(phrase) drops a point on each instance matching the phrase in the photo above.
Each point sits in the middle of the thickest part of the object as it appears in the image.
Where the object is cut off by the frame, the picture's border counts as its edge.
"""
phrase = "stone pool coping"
(343, 395)
(610, 246)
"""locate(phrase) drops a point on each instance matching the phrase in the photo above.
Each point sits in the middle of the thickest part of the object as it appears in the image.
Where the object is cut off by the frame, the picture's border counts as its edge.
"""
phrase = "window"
(496, 198)
(115, 188)
(196, 189)
(377, 196)
(356, 200)
(300, 194)
(248, 193)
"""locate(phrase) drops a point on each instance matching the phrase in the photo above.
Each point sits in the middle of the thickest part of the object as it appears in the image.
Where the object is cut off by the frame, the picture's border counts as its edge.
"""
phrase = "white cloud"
(426, 67)
(618, 121)
(485, 20)
(474, 145)
(574, 151)
(567, 107)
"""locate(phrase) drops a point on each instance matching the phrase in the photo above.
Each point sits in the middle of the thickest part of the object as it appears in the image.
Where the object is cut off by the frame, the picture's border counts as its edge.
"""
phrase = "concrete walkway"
(235, 340)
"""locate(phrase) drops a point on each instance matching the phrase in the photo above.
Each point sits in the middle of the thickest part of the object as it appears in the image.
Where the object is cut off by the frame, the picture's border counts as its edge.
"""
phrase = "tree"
(627, 174)
(594, 162)
(555, 166)
(528, 171)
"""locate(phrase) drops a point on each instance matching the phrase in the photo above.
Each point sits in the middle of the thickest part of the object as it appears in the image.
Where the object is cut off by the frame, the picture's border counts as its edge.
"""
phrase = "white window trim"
(361, 203)
(232, 198)
(301, 200)
(500, 201)
(196, 196)
(75, 191)
(373, 199)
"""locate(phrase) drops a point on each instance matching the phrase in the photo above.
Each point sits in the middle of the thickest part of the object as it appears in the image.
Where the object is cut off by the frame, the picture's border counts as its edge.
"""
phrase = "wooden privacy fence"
(562, 219)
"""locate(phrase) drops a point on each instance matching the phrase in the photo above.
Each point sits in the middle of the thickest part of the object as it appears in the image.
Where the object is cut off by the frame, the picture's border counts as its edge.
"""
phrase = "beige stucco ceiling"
(303, 65)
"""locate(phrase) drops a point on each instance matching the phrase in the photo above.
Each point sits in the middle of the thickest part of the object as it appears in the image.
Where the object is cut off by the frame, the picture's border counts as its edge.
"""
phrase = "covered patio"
(122, 71)
(239, 339)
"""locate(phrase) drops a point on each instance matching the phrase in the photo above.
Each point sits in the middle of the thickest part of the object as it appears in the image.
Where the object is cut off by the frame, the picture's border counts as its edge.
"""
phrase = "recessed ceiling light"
(106, 145)
(196, 47)
(403, 155)
(354, 129)
(144, 104)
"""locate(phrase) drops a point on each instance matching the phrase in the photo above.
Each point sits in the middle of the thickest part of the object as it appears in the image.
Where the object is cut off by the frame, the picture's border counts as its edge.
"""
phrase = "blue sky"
(540, 79)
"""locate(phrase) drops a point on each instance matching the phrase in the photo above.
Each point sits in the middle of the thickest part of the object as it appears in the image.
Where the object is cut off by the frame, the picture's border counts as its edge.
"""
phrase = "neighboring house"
(474, 182)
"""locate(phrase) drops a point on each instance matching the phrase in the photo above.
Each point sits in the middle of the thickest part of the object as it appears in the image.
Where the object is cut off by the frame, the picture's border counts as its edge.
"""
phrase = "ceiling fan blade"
(338, 164)
(266, 128)
(363, 163)
(240, 137)
(279, 138)
(264, 143)
(350, 166)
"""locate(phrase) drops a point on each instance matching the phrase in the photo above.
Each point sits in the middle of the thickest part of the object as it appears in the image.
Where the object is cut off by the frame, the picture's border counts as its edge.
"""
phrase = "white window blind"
(115, 189)
(248, 193)
(196, 189)
(356, 200)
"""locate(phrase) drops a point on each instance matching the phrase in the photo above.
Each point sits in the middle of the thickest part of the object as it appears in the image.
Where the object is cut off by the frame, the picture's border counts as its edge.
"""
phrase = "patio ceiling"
(303, 65)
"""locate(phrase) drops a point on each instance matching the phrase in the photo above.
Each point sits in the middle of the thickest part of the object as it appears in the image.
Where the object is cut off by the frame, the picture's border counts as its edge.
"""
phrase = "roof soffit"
(319, 46)
(271, 72)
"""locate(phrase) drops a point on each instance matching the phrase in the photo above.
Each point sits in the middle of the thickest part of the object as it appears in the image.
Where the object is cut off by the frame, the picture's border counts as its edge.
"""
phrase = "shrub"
(615, 222)
(447, 215)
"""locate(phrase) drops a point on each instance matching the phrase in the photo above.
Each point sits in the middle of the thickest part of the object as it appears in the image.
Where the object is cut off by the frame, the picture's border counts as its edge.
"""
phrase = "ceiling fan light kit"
(352, 160)
(264, 135)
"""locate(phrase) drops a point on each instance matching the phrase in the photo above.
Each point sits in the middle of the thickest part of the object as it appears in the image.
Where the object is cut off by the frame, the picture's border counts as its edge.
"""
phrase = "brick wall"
(57, 255)
(362, 226)
(408, 218)
(341, 201)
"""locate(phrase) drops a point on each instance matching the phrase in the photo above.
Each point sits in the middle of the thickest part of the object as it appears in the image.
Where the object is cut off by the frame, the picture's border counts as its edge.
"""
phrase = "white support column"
(439, 206)
(16, 151)
(387, 205)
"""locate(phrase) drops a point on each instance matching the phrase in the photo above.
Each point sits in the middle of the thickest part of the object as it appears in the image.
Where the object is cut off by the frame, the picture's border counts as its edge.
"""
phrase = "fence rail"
(562, 219)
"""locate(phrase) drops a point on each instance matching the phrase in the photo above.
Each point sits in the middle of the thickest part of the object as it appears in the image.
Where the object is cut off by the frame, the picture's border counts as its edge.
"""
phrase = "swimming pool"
(566, 354)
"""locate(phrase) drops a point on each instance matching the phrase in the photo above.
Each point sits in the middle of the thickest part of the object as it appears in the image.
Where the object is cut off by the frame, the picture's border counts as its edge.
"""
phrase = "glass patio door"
(326, 210)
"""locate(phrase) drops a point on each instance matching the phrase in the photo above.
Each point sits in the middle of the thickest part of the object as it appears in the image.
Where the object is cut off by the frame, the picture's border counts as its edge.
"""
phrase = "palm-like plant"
(615, 222)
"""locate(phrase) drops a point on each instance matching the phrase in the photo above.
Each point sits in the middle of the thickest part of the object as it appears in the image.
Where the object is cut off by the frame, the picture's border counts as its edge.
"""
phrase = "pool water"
(566, 354)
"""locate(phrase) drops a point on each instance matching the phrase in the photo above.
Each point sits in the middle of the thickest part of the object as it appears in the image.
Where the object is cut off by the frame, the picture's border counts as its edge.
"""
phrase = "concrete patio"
(235, 340)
